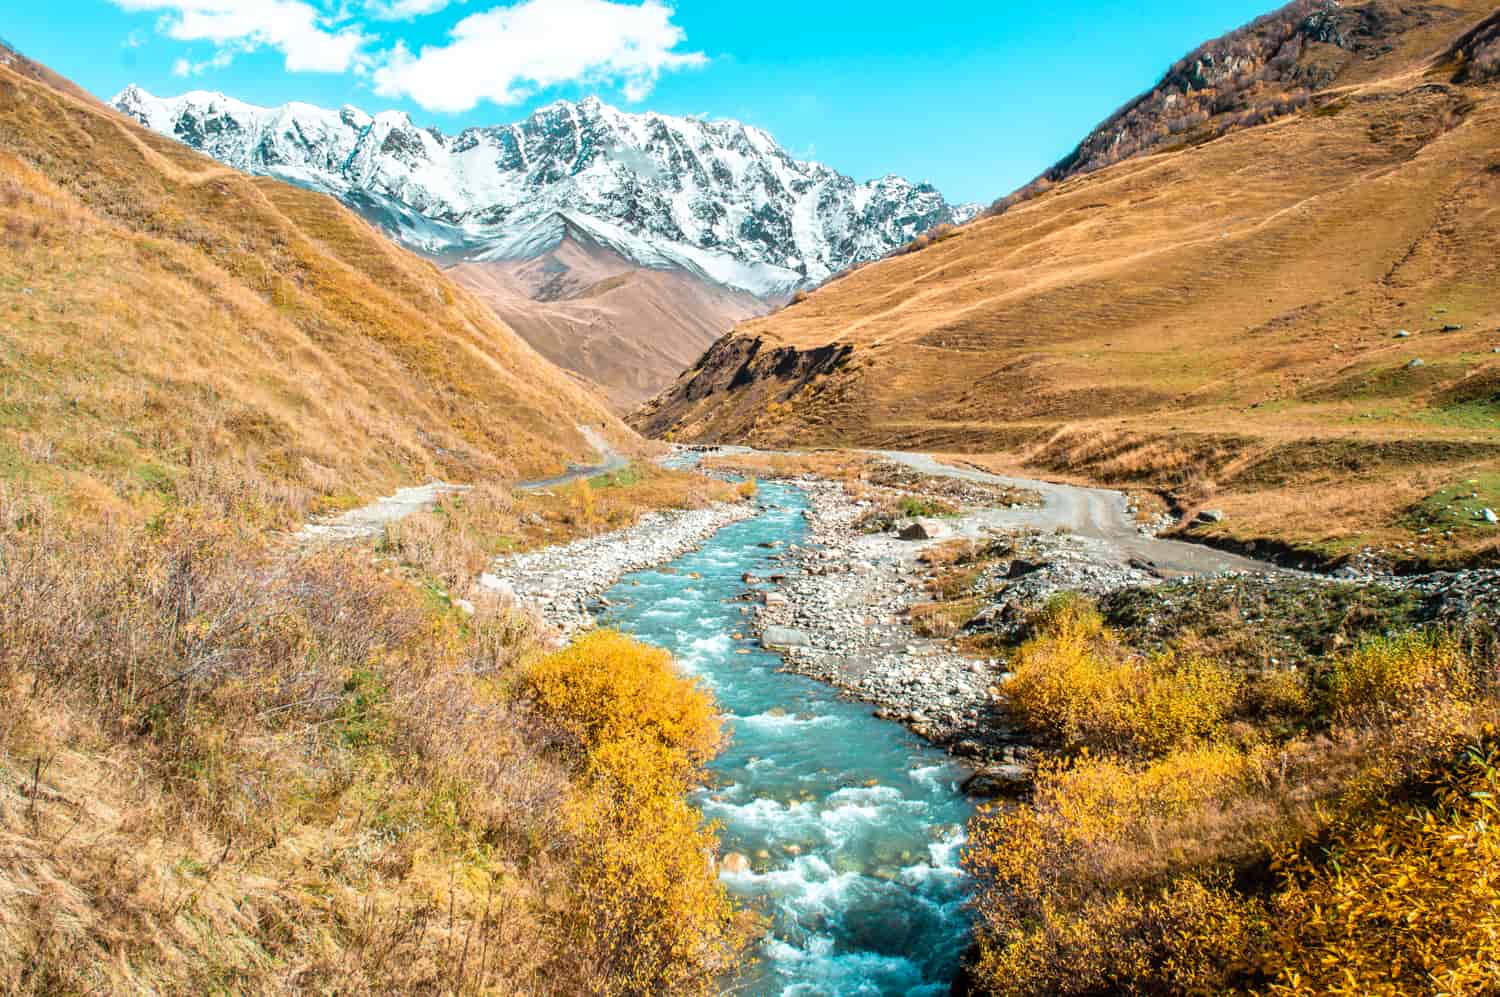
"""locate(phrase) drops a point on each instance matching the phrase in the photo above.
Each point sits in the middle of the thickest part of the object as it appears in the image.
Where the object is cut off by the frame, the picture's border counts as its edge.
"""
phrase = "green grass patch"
(912, 506)
(1474, 414)
(1458, 507)
(1400, 381)
(155, 478)
(1251, 622)
(629, 475)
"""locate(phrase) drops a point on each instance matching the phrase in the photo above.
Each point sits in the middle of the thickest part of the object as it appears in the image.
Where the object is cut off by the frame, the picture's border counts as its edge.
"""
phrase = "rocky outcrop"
(1267, 69)
(747, 366)
(1477, 54)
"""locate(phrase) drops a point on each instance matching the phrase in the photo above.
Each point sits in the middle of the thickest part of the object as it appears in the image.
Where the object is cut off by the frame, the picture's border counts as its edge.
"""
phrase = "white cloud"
(220, 60)
(405, 10)
(305, 37)
(506, 53)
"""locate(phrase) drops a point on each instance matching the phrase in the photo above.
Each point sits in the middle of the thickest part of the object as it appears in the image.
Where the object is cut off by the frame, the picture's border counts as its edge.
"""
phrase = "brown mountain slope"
(162, 312)
(1219, 320)
(588, 310)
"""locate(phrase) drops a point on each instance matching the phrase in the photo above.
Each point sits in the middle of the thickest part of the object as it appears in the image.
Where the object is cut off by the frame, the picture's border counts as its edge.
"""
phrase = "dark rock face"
(1477, 53)
(736, 362)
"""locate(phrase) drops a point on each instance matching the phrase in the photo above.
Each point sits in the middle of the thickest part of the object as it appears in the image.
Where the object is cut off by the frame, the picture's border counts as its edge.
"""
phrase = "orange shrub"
(647, 913)
(1075, 682)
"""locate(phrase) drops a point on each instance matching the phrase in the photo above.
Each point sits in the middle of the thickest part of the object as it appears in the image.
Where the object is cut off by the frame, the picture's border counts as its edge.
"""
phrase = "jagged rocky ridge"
(1271, 67)
(716, 198)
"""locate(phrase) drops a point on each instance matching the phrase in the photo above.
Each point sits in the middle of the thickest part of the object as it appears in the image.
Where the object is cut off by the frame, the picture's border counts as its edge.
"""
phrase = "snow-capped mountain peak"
(715, 197)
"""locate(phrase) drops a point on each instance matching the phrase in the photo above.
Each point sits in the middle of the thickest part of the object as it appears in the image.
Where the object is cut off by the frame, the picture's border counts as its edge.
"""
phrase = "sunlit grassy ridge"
(1216, 317)
(161, 310)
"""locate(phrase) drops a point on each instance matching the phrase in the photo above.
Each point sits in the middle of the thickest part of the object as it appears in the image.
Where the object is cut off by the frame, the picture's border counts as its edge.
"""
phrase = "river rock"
(1021, 567)
(1007, 781)
(735, 863)
(925, 528)
(782, 637)
(1208, 516)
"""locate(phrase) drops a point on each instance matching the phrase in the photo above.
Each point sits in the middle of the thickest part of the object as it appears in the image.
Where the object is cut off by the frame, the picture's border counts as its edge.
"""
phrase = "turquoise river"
(852, 826)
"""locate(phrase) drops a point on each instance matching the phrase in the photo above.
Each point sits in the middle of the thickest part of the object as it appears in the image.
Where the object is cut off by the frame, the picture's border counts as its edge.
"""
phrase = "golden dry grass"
(229, 766)
(457, 539)
(233, 765)
(1165, 320)
(161, 310)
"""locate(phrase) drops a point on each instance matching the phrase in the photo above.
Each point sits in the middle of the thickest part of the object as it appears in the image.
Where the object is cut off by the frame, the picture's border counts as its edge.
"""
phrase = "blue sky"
(977, 97)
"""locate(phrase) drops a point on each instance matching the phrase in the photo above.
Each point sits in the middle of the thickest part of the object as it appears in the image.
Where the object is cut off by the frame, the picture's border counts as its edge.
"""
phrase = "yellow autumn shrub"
(1394, 674)
(606, 687)
(1075, 682)
(1405, 900)
(647, 913)
(1066, 896)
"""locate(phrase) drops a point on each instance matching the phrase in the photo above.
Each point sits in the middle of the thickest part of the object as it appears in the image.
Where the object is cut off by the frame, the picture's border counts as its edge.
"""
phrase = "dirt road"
(1100, 513)
(371, 520)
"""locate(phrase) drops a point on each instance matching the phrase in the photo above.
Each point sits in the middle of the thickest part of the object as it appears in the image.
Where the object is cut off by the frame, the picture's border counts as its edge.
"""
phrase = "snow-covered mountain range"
(718, 199)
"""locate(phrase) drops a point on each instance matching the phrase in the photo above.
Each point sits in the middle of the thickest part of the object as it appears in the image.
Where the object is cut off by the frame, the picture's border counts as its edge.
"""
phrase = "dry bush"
(647, 913)
(1074, 682)
(455, 541)
(1270, 861)
(1063, 905)
(1401, 899)
(1217, 871)
(1392, 676)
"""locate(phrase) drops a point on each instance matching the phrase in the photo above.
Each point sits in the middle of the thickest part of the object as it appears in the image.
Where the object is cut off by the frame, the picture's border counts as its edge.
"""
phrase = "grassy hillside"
(233, 764)
(1218, 319)
(162, 312)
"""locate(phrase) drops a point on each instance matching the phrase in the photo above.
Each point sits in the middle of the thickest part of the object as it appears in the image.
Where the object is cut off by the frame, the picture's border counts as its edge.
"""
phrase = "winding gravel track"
(610, 462)
(371, 520)
(1099, 513)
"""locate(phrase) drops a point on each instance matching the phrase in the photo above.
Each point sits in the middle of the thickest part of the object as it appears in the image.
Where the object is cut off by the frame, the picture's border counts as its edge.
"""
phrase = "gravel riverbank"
(839, 614)
(562, 582)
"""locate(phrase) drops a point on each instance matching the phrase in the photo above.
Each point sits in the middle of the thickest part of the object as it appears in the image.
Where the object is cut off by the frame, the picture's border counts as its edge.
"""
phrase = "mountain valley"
(606, 554)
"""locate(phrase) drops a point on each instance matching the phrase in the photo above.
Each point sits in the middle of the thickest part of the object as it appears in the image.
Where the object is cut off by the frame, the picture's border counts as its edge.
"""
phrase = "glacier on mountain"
(716, 198)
